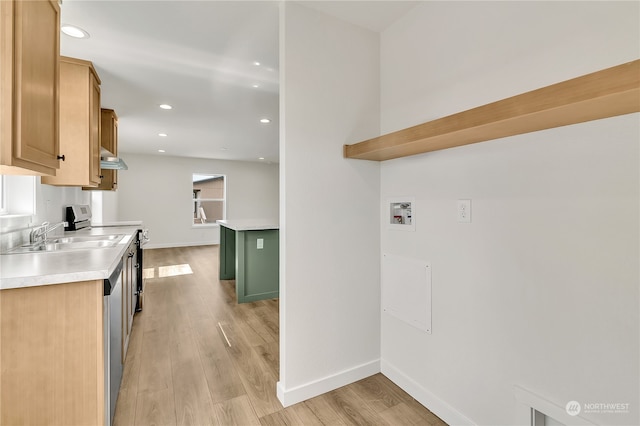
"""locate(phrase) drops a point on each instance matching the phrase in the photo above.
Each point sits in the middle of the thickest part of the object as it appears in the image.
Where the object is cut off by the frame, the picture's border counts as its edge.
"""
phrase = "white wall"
(158, 191)
(32, 203)
(541, 289)
(329, 279)
(51, 201)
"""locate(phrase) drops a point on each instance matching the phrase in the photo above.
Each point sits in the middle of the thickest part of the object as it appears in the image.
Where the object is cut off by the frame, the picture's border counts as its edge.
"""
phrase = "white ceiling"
(197, 56)
(374, 15)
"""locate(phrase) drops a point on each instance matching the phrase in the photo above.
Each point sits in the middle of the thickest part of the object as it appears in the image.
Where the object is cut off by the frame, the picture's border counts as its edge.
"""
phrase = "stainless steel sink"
(69, 243)
(87, 238)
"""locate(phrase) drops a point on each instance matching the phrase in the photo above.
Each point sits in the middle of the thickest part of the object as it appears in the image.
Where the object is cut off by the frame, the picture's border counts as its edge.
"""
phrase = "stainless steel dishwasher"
(112, 304)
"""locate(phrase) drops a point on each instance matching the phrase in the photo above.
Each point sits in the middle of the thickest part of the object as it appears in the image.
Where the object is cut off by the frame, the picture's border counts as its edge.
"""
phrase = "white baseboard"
(436, 405)
(172, 245)
(301, 393)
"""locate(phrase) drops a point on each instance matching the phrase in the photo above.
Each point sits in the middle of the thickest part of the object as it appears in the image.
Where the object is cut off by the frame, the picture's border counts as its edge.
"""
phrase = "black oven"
(142, 237)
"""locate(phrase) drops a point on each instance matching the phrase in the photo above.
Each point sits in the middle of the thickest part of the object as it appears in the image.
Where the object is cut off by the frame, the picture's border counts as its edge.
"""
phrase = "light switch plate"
(260, 244)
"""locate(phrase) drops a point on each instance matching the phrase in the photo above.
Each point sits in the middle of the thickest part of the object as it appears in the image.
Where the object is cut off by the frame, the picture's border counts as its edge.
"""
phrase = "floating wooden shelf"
(607, 93)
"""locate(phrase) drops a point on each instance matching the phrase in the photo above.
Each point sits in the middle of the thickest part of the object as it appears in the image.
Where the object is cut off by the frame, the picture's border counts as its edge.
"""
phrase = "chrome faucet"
(39, 233)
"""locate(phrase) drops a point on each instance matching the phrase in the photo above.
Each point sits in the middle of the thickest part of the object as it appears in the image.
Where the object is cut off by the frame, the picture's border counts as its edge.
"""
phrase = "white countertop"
(249, 224)
(44, 268)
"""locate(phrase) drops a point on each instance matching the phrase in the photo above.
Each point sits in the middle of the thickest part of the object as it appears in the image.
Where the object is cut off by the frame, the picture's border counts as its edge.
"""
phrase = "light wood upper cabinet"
(79, 125)
(109, 141)
(29, 88)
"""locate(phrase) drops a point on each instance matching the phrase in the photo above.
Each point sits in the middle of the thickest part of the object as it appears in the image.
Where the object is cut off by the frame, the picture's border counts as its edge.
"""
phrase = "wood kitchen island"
(249, 253)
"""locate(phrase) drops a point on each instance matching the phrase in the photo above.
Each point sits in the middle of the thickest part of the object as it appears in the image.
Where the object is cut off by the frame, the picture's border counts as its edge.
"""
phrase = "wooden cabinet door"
(111, 177)
(79, 125)
(108, 141)
(29, 88)
(94, 130)
(109, 137)
(108, 180)
(52, 354)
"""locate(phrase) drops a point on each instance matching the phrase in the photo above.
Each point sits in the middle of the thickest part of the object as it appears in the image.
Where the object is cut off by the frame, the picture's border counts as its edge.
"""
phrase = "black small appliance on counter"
(78, 217)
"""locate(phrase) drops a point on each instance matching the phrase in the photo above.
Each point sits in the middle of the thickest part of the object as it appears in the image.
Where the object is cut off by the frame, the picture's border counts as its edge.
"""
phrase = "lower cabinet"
(251, 258)
(52, 355)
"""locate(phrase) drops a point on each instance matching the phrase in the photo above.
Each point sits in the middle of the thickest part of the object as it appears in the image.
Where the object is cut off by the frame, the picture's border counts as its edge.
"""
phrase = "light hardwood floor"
(180, 370)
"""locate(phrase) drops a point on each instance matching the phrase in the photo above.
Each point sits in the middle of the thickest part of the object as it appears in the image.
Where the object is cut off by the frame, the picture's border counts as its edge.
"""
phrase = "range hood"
(110, 161)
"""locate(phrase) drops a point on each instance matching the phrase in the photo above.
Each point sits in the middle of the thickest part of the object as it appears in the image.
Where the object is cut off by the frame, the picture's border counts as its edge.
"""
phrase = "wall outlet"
(260, 244)
(464, 211)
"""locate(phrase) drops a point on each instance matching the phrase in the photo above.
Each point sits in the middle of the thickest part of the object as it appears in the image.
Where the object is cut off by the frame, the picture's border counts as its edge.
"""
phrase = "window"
(209, 198)
(17, 195)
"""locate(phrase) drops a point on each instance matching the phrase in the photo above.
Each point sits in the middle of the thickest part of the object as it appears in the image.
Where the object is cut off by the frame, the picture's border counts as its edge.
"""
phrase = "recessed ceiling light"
(166, 106)
(161, 150)
(255, 86)
(256, 63)
(265, 120)
(164, 135)
(261, 158)
(73, 31)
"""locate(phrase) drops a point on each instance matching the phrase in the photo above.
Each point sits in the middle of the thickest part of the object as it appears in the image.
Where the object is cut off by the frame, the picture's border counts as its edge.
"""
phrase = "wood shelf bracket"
(607, 93)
